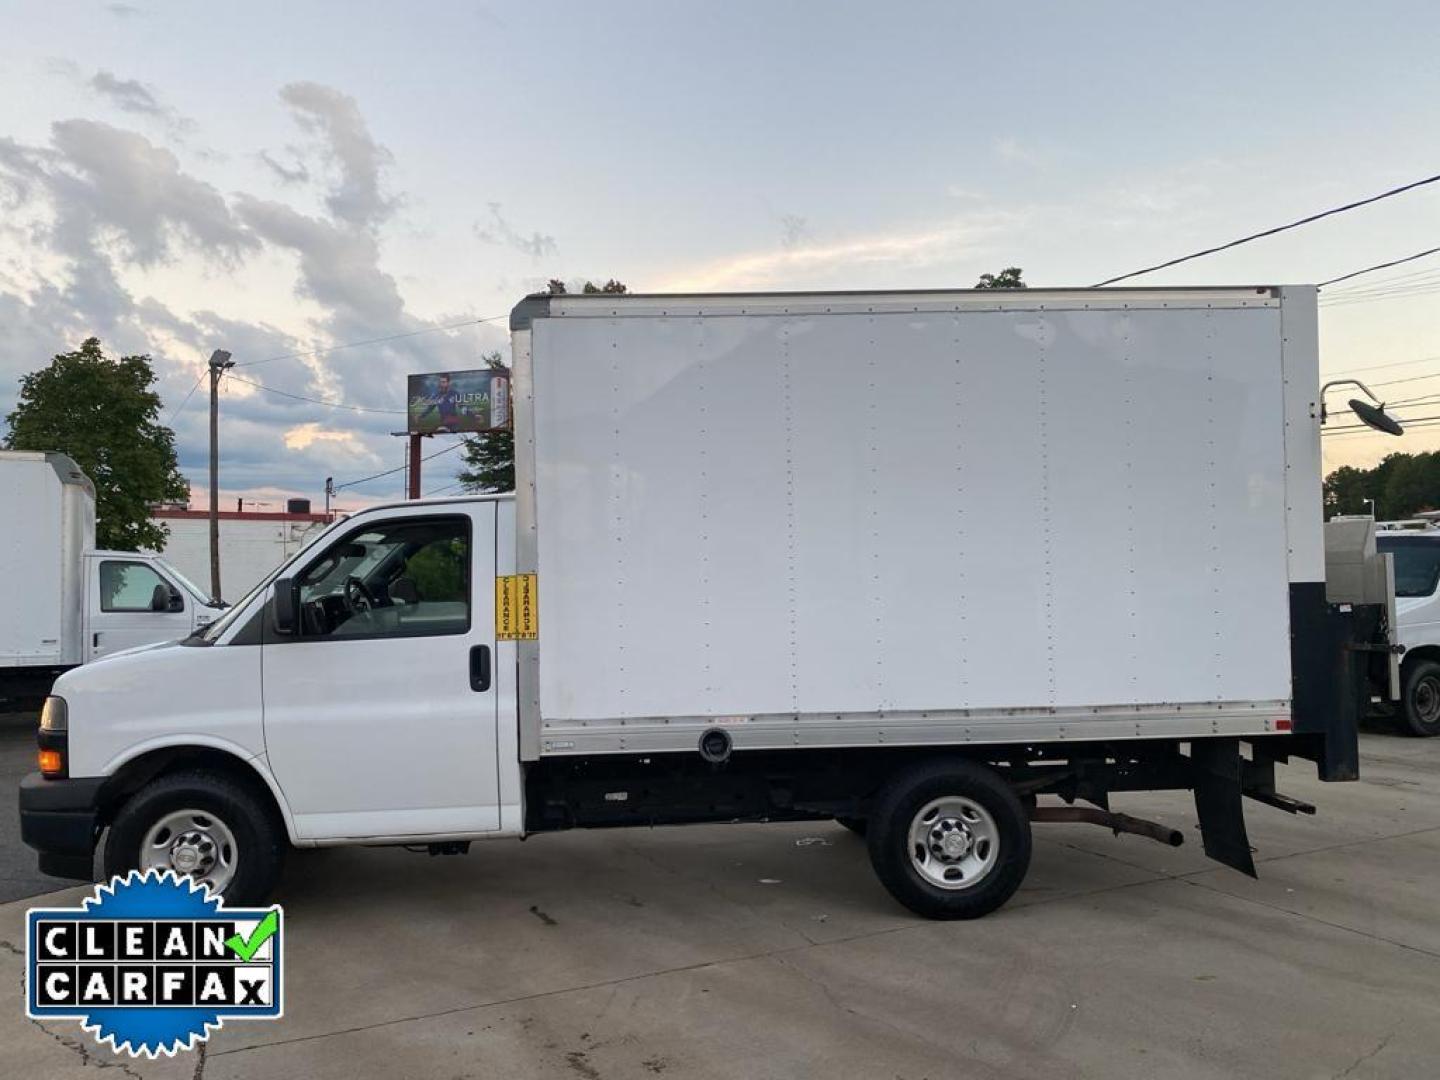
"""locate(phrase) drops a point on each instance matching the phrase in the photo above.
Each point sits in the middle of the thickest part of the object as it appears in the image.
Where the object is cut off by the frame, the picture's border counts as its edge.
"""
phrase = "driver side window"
(404, 578)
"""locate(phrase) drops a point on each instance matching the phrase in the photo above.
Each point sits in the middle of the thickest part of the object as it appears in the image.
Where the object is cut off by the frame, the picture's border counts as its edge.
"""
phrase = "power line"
(1361, 429)
(371, 341)
(398, 468)
(1378, 367)
(1381, 266)
(1271, 232)
(316, 401)
(181, 407)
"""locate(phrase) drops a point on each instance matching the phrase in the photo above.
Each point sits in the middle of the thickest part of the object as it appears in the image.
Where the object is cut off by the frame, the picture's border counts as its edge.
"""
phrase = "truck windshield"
(189, 586)
(211, 631)
(1417, 562)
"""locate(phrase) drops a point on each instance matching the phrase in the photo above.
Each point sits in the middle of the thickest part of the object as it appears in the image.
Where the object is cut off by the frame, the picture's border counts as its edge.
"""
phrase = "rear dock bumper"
(58, 818)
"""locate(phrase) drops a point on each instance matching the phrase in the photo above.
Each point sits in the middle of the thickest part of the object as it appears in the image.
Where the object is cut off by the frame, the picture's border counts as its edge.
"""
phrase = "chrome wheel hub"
(954, 842)
(194, 844)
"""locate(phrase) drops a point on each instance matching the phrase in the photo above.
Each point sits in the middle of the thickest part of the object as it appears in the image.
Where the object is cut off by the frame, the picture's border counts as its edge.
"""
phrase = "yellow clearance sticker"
(517, 608)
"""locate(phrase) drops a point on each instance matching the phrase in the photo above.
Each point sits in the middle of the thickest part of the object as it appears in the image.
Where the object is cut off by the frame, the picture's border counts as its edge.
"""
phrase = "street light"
(220, 362)
(1369, 415)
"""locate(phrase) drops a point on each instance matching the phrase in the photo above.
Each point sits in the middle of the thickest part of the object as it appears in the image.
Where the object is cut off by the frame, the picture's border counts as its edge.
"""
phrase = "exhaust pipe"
(1110, 820)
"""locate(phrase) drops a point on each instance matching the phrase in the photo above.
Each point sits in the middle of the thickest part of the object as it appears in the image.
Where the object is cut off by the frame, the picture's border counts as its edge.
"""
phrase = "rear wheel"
(1421, 702)
(950, 840)
(200, 825)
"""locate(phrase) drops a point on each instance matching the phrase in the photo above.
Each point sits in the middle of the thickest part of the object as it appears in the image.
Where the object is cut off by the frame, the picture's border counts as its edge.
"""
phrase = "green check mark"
(245, 948)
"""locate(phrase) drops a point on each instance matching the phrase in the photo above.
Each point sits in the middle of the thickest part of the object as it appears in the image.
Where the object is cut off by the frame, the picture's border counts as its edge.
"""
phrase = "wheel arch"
(1417, 653)
(129, 776)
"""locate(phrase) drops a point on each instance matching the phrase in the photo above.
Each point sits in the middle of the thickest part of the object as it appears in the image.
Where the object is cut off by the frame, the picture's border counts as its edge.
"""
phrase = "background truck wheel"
(950, 840)
(204, 825)
(1420, 705)
(857, 825)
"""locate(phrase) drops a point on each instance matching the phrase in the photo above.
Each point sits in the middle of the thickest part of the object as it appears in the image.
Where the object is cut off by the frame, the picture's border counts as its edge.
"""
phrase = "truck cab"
(1416, 551)
(134, 599)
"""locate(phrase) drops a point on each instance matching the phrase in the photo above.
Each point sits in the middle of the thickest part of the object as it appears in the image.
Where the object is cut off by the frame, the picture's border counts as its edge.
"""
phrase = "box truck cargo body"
(917, 518)
(67, 603)
(936, 565)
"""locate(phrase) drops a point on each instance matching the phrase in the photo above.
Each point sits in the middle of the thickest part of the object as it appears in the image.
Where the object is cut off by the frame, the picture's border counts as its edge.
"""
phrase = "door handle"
(480, 668)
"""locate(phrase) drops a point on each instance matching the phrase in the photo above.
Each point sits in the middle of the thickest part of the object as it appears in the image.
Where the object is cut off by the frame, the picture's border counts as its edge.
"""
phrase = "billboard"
(466, 401)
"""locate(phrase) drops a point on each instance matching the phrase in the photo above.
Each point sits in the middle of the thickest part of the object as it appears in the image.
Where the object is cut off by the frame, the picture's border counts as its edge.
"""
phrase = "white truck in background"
(752, 572)
(1415, 548)
(67, 603)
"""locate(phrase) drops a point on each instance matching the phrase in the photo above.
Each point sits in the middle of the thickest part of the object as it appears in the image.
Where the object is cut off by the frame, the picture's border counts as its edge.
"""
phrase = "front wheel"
(1420, 704)
(950, 840)
(201, 825)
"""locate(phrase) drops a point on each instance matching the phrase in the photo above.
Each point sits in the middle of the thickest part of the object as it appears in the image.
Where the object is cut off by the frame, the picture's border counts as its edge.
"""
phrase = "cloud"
(124, 11)
(309, 433)
(134, 97)
(804, 262)
(794, 232)
(537, 245)
(1010, 149)
(104, 178)
(96, 209)
(129, 95)
(335, 119)
(296, 174)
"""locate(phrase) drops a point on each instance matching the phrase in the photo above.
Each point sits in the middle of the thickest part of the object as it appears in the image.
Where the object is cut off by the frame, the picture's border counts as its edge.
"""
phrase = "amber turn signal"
(52, 763)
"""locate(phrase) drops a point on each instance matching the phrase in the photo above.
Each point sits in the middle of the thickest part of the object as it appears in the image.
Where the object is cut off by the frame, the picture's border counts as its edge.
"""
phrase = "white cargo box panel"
(850, 519)
(49, 521)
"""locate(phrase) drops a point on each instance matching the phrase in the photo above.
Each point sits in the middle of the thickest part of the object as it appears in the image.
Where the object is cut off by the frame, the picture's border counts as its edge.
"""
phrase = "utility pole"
(329, 494)
(219, 362)
(414, 492)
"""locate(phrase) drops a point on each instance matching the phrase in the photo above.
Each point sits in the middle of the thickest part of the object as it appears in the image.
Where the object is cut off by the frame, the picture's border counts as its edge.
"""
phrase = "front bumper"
(59, 819)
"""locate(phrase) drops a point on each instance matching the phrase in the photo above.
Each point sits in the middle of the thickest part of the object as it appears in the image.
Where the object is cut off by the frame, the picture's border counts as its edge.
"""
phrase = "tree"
(490, 456)
(1009, 278)
(103, 413)
(556, 287)
(1398, 487)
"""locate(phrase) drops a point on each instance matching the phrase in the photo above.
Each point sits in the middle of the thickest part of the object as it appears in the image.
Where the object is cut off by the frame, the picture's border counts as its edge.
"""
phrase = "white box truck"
(66, 602)
(936, 565)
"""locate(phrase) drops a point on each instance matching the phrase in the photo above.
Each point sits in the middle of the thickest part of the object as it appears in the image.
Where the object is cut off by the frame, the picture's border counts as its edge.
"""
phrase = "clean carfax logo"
(151, 963)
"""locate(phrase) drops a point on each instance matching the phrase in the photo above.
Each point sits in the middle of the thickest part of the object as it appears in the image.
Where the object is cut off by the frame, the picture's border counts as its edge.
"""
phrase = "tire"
(972, 876)
(188, 810)
(1420, 704)
(856, 825)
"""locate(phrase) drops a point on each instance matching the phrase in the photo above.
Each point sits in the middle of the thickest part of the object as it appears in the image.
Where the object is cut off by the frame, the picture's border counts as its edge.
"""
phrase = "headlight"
(53, 715)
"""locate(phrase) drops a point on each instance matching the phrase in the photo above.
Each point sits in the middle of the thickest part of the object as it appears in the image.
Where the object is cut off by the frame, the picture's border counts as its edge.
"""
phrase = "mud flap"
(1217, 802)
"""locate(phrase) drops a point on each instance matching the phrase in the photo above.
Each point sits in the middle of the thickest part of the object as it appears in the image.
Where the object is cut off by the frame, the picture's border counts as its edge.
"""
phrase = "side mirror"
(165, 597)
(283, 606)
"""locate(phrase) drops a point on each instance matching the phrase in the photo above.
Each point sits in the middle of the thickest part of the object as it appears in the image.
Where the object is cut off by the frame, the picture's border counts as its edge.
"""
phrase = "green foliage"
(438, 570)
(556, 287)
(1400, 485)
(1009, 278)
(490, 456)
(103, 413)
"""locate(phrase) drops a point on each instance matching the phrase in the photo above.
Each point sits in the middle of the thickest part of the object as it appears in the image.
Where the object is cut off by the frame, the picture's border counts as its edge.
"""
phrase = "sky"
(278, 179)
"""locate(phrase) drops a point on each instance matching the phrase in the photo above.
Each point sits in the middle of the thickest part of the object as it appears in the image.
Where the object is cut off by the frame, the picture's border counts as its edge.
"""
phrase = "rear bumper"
(58, 818)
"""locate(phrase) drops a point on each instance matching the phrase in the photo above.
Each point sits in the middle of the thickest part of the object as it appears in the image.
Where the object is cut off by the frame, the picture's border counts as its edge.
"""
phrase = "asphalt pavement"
(18, 876)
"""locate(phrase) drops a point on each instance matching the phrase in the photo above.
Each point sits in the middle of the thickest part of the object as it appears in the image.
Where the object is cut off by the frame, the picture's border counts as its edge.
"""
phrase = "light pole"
(1371, 503)
(219, 362)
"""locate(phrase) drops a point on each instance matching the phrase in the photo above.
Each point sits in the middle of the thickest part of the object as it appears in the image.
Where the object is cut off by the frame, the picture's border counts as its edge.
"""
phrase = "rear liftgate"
(1341, 655)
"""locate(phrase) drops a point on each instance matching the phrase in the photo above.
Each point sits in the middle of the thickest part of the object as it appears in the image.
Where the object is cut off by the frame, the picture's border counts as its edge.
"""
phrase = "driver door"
(125, 607)
(380, 712)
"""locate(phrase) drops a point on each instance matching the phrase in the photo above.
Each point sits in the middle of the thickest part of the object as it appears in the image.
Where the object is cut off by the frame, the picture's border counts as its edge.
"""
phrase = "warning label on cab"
(517, 611)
